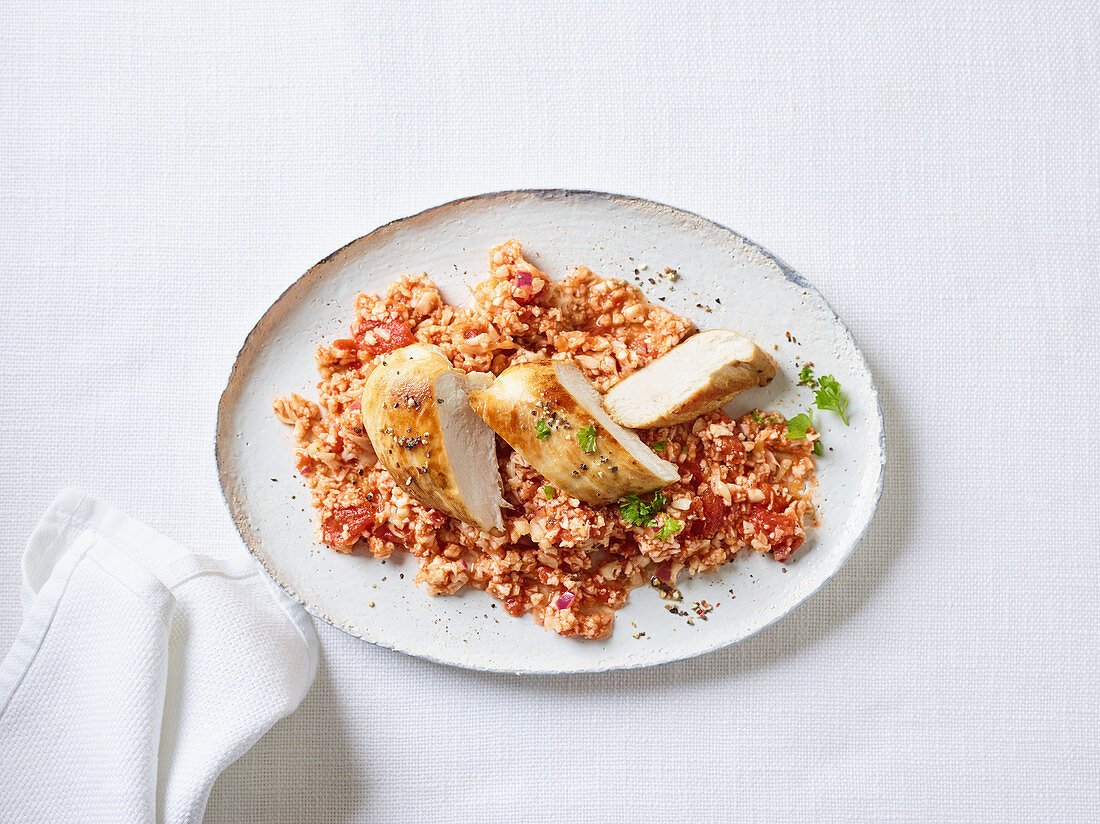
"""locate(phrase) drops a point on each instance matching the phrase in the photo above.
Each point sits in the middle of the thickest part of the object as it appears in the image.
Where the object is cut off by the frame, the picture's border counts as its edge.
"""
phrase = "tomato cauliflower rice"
(743, 484)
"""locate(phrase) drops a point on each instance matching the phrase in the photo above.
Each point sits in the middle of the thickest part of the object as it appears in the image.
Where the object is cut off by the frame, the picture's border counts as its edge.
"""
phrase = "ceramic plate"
(613, 235)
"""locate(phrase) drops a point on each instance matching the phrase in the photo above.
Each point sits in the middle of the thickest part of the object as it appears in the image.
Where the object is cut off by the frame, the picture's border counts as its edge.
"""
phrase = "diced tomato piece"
(306, 464)
(355, 406)
(764, 519)
(730, 449)
(345, 344)
(787, 547)
(768, 520)
(769, 514)
(347, 524)
(713, 511)
(513, 605)
(399, 335)
(693, 469)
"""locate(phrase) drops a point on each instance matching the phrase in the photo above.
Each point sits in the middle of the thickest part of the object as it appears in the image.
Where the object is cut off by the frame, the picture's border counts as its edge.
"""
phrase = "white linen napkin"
(140, 672)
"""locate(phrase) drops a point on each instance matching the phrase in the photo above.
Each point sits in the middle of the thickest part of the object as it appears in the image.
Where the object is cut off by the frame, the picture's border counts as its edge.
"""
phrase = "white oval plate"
(613, 235)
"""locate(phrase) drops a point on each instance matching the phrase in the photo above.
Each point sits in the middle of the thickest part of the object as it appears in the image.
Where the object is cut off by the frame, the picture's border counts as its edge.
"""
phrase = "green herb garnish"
(587, 438)
(635, 511)
(818, 448)
(669, 527)
(797, 426)
(660, 446)
(756, 416)
(830, 397)
(548, 491)
(542, 429)
(806, 376)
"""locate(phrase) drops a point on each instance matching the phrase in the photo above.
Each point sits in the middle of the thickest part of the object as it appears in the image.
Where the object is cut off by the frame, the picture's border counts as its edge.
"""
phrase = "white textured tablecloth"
(933, 168)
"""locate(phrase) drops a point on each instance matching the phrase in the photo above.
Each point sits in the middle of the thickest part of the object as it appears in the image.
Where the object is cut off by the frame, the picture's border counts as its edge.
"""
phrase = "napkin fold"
(140, 672)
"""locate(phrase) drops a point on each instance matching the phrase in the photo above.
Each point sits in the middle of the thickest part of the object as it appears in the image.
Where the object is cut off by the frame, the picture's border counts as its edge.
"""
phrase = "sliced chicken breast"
(697, 376)
(417, 414)
(552, 416)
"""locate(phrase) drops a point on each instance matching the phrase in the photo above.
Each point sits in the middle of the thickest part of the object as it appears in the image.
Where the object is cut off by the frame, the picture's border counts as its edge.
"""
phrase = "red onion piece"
(664, 572)
(523, 278)
(565, 600)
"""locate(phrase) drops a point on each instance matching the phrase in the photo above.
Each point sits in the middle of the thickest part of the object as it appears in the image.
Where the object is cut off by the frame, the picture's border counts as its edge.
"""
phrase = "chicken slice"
(552, 416)
(417, 414)
(695, 377)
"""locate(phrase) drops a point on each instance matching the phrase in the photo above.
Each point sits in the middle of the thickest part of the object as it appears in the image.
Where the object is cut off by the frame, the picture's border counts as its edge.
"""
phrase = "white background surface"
(933, 170)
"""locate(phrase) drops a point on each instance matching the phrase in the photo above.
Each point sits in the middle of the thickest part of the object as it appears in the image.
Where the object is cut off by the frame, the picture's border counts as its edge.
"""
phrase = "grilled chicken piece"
(552, 416)
(697, 376)
(417, 414)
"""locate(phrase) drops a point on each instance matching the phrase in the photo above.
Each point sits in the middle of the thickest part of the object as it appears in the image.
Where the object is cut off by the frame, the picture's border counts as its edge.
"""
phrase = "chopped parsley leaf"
(806, 376)
(669, 527)
(660, 446)
(818, 448)
(797, 426)
(830, 397)
(635, 511)
(542, 429)
(587, 438)
(549, 492)
(756, 416)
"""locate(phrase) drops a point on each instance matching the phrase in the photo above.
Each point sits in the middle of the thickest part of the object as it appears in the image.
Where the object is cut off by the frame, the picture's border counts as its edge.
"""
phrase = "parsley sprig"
(587, 438)
(830, 397)
(542, 429)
